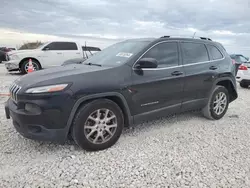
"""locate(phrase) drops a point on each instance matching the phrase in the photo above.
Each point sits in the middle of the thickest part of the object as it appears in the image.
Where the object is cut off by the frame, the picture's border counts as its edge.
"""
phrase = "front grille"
(14, 89)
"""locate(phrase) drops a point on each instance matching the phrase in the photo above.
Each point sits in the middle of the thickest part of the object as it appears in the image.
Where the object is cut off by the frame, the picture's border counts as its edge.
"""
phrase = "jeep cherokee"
(128, 82)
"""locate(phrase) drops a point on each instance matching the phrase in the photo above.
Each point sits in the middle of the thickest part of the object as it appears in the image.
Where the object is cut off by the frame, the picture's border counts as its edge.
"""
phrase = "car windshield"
(117, 54)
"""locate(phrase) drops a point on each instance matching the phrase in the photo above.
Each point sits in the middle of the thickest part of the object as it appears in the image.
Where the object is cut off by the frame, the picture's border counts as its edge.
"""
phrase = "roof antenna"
(194, 34)
(86, 50)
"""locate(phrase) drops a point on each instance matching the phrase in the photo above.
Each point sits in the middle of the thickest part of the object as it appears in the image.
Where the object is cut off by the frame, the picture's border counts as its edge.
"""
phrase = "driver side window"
(165, 53)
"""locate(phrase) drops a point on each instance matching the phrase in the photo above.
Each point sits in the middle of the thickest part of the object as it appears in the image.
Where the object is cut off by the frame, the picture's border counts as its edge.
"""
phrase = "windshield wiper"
(93, 64)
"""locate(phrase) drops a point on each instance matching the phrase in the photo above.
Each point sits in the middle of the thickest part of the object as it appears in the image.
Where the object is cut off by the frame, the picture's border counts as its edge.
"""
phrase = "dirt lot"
(179, 151)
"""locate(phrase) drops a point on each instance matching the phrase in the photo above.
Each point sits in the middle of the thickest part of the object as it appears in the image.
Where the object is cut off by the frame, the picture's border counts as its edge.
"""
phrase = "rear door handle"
(177, 73)
(59, 53)
(213, 68)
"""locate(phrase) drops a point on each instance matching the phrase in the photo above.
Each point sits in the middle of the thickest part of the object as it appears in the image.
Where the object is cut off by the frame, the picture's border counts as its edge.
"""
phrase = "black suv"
(126, 83)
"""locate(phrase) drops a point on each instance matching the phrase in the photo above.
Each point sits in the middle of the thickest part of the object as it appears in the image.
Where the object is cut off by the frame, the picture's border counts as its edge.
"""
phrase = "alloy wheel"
(100, 126)
(220, 103)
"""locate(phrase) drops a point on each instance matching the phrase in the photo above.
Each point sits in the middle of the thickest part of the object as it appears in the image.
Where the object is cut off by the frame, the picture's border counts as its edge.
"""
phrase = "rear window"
(214, 52)
(194, 53)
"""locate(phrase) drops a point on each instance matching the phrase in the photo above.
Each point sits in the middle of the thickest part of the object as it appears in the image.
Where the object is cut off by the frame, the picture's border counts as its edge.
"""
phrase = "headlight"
(47, 89)
(13, 57)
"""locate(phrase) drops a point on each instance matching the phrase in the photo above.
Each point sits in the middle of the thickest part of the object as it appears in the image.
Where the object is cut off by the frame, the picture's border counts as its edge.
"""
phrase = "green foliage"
(30, 45)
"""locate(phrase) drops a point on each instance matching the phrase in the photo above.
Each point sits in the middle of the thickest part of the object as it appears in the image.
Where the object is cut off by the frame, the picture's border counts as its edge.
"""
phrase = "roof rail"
(205, 38)
(165, 37)
(202, 38)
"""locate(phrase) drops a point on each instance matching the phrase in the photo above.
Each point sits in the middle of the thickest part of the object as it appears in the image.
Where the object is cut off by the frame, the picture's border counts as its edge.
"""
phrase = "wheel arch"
(230, 86)
(116, 97)
(27, 58)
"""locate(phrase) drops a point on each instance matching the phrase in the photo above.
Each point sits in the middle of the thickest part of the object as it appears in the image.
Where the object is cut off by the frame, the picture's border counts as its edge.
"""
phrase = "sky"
(104, 22)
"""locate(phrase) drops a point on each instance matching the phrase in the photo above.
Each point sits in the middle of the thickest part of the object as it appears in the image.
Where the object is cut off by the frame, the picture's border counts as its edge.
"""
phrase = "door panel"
(160, 87)
(199, 81)
(52, 58)
(71, 51)
(58, 52)
(155, 89)
(198, 71)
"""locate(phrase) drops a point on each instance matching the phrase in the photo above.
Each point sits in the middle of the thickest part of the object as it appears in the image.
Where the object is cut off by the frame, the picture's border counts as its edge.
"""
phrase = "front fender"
(96, 96)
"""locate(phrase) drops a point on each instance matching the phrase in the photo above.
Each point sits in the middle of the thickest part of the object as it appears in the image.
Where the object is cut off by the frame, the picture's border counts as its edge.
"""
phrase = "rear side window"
(194, 53)
(214, 52)
(62, 46)
(165, 53)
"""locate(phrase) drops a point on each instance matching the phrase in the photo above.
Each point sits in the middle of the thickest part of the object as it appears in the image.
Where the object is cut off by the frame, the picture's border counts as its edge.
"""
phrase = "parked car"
(128, 82)
(45, 56)
(243, 75)
(239, 59)
(2, 56)
(88, 51)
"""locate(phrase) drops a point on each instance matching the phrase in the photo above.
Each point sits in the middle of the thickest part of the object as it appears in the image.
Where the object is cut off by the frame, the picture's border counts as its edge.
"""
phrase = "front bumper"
(12, 65)
(45, 122)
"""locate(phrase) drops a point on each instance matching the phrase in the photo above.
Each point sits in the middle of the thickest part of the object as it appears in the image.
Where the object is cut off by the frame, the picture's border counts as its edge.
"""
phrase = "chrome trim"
(163, 68)
(190, 64)
(151, 103)
(203, 62)
(14, 89)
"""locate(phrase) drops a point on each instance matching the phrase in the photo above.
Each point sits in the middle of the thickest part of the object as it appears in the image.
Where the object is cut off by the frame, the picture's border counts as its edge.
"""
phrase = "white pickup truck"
(47, 55)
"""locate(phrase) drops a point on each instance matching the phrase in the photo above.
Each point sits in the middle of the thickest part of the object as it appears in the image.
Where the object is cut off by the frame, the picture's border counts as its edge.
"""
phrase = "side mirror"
(146, 63)
(45, 48)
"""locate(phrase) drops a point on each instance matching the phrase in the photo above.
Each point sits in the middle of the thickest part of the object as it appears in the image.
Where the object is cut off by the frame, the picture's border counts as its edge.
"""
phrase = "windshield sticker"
(123, 54)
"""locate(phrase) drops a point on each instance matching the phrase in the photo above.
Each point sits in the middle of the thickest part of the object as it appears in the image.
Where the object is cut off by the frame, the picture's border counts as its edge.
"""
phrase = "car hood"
(16, 52)
(55, 75)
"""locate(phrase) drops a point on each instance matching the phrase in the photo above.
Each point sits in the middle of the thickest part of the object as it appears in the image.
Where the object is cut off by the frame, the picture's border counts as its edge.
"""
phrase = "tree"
(30, 45)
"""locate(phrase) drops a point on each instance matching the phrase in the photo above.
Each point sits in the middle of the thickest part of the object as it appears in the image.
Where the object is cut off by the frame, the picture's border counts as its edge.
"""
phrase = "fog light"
(32, 108)
(34, 129)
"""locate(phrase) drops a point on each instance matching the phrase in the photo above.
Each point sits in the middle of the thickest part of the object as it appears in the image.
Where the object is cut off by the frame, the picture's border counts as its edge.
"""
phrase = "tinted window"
(62, 46)
(194, 53)
(165, 53)
(214, 52)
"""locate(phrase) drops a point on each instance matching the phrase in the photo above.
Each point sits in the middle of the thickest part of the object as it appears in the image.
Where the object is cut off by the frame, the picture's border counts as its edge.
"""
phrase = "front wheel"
(217, 104)
(25, 66)
(97, 125)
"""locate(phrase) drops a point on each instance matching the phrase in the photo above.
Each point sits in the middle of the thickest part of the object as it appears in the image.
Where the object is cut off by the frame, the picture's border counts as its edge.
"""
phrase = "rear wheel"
(25, 65)
(244, 85)
(97, 125)
(217, 104)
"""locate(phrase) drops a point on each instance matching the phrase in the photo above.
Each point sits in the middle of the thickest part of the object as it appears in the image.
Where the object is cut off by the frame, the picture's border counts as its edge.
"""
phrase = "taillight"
(243, 67)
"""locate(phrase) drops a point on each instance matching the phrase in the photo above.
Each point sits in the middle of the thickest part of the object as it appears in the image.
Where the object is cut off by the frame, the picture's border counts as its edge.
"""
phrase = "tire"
(82, 120)
(209, 111)
(35, 63)
(244, 85)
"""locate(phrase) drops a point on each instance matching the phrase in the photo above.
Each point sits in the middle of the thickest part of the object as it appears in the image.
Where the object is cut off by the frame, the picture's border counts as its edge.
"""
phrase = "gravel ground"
(179, 151)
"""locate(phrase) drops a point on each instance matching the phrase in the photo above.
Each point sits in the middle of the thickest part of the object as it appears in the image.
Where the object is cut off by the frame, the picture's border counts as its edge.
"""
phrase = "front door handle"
(213, 68)
(177, 73)
(59, 53)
